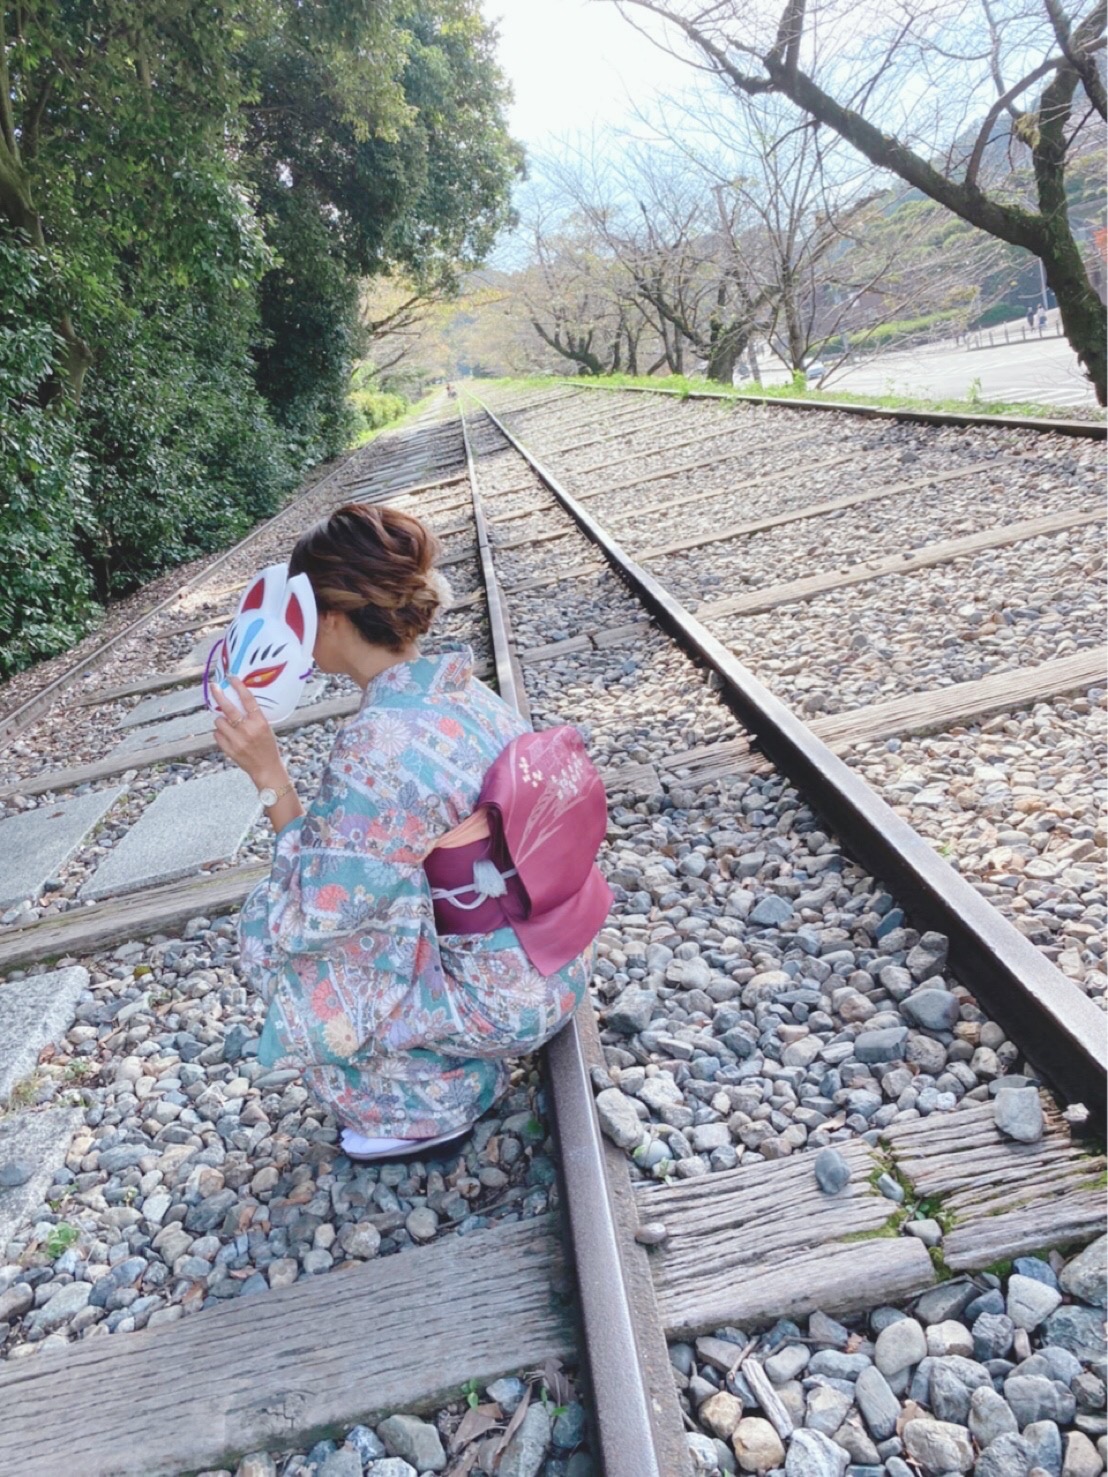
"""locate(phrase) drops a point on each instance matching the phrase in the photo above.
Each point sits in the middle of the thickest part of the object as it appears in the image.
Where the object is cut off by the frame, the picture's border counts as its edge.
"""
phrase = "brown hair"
(374, 564)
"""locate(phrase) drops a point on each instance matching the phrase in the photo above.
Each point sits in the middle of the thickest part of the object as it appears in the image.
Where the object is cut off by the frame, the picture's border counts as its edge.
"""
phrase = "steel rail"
(1058, 1028)
(1091, 430)
(628, 1423)
(25, 713)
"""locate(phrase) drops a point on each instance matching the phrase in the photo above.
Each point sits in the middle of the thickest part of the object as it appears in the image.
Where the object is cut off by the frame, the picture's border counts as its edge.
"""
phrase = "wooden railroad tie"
(795, 591)
(746, 1246)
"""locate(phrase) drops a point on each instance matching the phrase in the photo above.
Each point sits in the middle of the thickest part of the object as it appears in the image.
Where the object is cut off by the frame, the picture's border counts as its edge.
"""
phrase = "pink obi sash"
(526, 858)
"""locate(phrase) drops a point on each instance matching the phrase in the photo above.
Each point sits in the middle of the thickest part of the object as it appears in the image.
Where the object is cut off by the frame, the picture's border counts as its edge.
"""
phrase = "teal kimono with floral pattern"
(400, 1032)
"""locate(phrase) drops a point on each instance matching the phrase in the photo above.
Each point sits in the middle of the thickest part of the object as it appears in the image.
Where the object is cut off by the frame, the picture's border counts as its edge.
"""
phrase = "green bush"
(45, 590)
(185, 456)
(375, 408)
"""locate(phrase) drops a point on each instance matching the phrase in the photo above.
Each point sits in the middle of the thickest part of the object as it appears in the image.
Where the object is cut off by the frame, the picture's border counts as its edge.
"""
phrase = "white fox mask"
(268, 645)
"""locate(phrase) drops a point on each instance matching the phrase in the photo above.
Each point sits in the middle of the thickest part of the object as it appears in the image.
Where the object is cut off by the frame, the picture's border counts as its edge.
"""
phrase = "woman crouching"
(399, 1001)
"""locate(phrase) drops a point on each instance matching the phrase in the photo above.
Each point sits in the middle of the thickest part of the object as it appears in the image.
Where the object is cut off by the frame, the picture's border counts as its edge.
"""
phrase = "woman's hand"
(247, 739)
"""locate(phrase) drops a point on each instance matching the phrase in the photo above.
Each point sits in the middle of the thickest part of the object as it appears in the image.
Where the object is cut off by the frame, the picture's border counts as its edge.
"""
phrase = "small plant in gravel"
(60, 1239)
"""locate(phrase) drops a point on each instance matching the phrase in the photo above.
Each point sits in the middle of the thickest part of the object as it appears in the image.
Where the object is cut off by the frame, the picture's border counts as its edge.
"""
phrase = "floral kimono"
(399, 1031)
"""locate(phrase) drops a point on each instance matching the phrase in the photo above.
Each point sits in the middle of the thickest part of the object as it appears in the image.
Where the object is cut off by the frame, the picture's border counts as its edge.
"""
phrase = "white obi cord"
(488, 882)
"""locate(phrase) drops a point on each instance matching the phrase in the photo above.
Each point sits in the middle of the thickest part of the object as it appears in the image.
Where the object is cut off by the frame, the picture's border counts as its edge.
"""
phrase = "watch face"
(267, 797)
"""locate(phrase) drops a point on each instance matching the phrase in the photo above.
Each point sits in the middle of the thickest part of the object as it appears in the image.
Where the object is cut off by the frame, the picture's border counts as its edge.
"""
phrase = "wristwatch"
(270, 797)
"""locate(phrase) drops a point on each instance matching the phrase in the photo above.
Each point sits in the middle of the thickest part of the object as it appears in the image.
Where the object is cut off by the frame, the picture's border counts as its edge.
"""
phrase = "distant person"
(1042, 318)
(1031, 316)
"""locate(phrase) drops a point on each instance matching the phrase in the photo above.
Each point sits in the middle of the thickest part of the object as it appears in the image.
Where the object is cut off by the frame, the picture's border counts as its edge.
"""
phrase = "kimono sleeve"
(353, 862)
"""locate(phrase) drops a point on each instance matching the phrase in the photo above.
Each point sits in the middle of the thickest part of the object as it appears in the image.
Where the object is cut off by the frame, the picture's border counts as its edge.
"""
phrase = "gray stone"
(507, 1393)
(854, 1439)
(391, 1466)
(15, 1172)
(1044, 1445)
(570, 1426)
(1085, 1277)
(660, 1092)
(1081, 1457)
(618, 1118)
(164, 705)
(709, 1136)
(341, 1463)
(838, 1366)
(945, 1301)
(366, 1443)
(1030, 1301)
(15, 1301)
(526, 1451)
(938, 1446)
(1007, 1456)
(1034, 1398)
(1035, 1268)
(186, 827)
(416, 1441)
(66, 1303)
(879, 1406)
(256, 1464)
(990, 1416)
(1018, 1112)
(831, 1170)
(702, 1453)
(812, 1454)
(33, 1013)
(885, 1045)
(826, 1409)
(927, 1231)
(41, 1139)
(899, 1346)
(631, 1013)
(1080, 1330)
(890, 1188)
(992, 1336)
(928, 957)
(787, 1363)
(951, 1386)
(771, 912)
(34, 845)
(933, 1010)
(949, 1337)
(825, 1330)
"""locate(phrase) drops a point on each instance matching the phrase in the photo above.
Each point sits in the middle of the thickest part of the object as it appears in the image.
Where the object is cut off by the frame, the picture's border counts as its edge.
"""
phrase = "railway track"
(762, 992)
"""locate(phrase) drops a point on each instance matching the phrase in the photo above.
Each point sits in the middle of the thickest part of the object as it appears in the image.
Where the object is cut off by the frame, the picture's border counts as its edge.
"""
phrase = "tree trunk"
(1083, 314)
(726, 351)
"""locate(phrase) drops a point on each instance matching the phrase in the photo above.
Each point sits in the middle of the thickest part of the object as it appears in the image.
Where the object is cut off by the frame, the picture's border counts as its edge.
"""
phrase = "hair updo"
(373, 564)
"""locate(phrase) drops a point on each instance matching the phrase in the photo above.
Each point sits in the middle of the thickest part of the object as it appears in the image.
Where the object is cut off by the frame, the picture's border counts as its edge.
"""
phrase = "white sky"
(573, 64)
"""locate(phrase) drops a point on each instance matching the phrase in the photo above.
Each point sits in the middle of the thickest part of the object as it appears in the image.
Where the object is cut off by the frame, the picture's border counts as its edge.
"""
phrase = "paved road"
(1045, 371)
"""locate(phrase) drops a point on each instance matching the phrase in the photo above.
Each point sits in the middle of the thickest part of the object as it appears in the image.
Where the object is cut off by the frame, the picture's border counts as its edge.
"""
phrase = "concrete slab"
(187, 827)
(198, 654)
(36, 1142)
(200, 720)
(33, 1013)
(35, 844)
(167, 705)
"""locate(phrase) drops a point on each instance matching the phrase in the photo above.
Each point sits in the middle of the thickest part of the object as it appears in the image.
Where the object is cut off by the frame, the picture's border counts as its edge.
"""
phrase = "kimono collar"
(447, 670)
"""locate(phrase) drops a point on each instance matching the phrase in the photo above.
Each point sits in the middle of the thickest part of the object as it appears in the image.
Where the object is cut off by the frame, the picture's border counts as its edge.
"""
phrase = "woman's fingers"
(246, 697)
